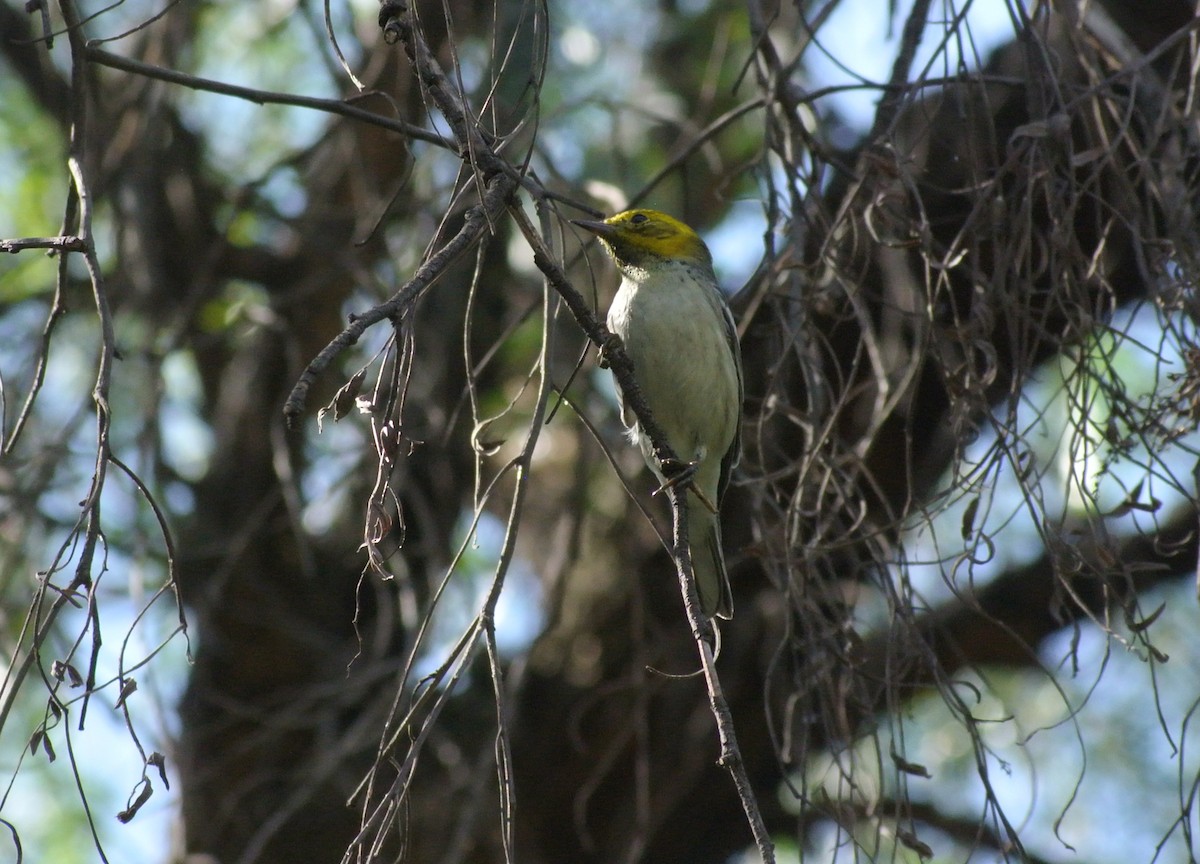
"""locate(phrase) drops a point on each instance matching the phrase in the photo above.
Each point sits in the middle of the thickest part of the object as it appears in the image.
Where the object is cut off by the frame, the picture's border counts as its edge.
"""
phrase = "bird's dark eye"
(637, 218)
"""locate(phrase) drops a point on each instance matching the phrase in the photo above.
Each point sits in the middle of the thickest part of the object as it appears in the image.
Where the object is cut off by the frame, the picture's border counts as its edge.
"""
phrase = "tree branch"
(477, 220)
(66, 243)
(262, 97)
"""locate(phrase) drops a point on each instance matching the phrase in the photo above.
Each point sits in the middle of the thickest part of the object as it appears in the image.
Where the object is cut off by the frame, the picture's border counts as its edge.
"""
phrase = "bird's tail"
(708, 562)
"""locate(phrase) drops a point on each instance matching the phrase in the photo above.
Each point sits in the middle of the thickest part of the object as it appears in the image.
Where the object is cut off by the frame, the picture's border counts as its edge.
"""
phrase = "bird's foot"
(610, 343)
(678, 472)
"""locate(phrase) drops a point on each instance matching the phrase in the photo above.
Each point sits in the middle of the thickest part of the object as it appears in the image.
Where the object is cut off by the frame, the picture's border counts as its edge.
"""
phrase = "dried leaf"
(128, 687)
(1139, 626)
(968, 519)
(914, 768)
(1133, 502)
(910, 840)
(345, 398)
(142, 797)
(160, 762)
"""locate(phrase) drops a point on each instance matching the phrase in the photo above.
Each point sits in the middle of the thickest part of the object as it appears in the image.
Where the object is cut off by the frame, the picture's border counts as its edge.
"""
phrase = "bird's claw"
(608, 344)
(677, 472)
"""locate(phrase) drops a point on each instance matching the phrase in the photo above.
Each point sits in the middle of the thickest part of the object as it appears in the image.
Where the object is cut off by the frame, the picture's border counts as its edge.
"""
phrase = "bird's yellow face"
(636, 237)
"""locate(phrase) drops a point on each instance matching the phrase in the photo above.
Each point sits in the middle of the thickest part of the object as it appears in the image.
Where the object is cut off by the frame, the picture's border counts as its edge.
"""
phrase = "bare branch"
(55, 244)
(262, 97)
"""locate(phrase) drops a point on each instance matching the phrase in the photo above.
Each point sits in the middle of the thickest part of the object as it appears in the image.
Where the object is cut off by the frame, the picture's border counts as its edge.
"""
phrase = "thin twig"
(504, 769)
(57, 244)
(262, 97)
(108, 340)
(58, 308)
(703, 635)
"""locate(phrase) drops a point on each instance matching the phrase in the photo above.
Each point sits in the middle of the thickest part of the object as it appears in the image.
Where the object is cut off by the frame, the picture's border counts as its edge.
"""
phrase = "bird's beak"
(601, 229)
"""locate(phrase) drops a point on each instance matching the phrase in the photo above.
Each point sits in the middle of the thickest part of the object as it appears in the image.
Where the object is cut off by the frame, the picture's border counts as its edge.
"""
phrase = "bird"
(676, 327)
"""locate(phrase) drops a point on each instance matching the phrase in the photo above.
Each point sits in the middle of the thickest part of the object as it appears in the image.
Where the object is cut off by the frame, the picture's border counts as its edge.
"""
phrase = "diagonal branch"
(478, 218)
(396, 20)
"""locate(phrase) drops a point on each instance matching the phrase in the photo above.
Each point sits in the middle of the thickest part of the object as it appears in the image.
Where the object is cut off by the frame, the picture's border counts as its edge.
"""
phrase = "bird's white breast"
(673, 328)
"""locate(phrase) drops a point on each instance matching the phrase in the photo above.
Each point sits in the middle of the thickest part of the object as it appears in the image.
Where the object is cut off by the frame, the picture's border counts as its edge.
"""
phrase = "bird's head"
(642, 238)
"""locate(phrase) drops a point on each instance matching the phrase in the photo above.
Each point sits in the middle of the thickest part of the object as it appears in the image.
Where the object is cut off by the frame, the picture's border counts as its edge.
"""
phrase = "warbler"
(677, 329)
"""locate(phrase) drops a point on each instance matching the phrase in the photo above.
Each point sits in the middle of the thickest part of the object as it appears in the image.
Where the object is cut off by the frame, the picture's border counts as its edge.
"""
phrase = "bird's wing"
(730, 460)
